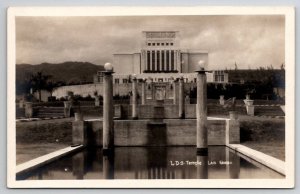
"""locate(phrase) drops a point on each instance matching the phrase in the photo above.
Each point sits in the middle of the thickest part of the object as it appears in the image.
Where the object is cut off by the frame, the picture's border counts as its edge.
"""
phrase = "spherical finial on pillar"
(108, 67)
(201, 65)
(134, 76)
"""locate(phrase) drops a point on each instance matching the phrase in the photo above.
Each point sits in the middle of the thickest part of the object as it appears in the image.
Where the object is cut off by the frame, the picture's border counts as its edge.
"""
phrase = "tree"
(39, 82)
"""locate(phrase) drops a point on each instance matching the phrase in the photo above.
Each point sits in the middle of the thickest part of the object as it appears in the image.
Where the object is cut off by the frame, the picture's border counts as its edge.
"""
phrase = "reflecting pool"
(153, 163)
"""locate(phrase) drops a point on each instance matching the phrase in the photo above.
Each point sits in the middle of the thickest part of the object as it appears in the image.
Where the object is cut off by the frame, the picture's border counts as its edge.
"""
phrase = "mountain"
(68, 72)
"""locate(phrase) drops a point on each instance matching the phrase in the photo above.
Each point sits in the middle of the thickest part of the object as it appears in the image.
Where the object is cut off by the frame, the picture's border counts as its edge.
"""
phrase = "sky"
(248, 41)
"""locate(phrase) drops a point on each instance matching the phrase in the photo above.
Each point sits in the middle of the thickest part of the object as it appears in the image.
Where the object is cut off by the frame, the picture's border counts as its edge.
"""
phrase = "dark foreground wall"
(170, 132)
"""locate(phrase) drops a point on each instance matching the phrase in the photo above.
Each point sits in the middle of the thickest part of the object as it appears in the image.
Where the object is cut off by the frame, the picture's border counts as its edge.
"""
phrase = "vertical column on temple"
(134, 97)
(108, 108)
(201, 110)
(181, 98)
(143, 91)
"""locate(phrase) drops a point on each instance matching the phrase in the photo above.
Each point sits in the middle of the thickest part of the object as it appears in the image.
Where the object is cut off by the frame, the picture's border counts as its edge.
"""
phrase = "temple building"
(162, 59)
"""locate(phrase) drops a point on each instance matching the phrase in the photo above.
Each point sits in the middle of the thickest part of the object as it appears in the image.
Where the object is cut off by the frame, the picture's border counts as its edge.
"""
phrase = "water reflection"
(153, 163)
(202, 166)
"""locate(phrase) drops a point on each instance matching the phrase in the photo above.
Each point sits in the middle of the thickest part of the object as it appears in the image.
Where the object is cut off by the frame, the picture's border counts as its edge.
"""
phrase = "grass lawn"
(266, 135)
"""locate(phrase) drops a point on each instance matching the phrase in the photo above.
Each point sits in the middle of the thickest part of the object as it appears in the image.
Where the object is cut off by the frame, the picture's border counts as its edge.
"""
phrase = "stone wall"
(119, 89)
(173, 132)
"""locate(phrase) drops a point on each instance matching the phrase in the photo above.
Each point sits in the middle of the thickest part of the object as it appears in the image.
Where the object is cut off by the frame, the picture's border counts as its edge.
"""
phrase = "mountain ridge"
(69, 72)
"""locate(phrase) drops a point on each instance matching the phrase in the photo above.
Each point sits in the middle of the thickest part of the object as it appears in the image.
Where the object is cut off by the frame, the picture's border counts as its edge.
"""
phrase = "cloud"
(247, 40)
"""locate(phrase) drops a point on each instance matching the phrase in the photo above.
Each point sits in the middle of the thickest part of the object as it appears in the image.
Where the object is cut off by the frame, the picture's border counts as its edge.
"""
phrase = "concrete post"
(108, 109)
(222, 101)
(78, 116)
(249, 106)
(143, 92)
(181, 99)
(232, 129)
(174, 93)
(134, 98)
(67, 109)
(201, 112)
(28, 110)
(21, 103)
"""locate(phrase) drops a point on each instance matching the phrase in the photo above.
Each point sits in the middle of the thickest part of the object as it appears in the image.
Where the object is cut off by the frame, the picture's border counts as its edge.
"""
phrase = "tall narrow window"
(153, 60)
(157, 60)
(172, 60)
(148, 60)
(168, 57)
(163, 60)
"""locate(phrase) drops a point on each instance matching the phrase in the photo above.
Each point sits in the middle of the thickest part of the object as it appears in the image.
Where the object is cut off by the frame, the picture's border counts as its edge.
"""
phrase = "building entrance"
(160, 92)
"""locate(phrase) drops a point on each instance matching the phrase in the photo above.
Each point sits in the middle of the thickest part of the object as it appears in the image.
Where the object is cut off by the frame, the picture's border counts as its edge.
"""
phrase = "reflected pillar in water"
(108, 166)
(233, 168)
(202, 166)
(232, 129)
(134, 97)
(78, 165)
(108, 108)
(181, 99)
(201, 110)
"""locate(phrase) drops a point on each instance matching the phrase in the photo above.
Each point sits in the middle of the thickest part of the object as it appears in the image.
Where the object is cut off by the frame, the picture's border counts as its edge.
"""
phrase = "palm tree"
(39, 82)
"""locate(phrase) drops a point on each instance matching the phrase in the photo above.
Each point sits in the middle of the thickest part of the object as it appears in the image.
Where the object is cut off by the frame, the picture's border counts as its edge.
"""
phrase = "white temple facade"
(161, 58)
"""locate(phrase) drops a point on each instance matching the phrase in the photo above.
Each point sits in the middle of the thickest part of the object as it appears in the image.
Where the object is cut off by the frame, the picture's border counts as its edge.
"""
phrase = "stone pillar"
(78, 116)
(134, 98)
(28, 110)
(67, 108)
(232, 129)
(181, 98)
(143, 92)
(21, 103)
(174, 93)
(108, 109)
(152, 90)
(222, 101)
(201, 112)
